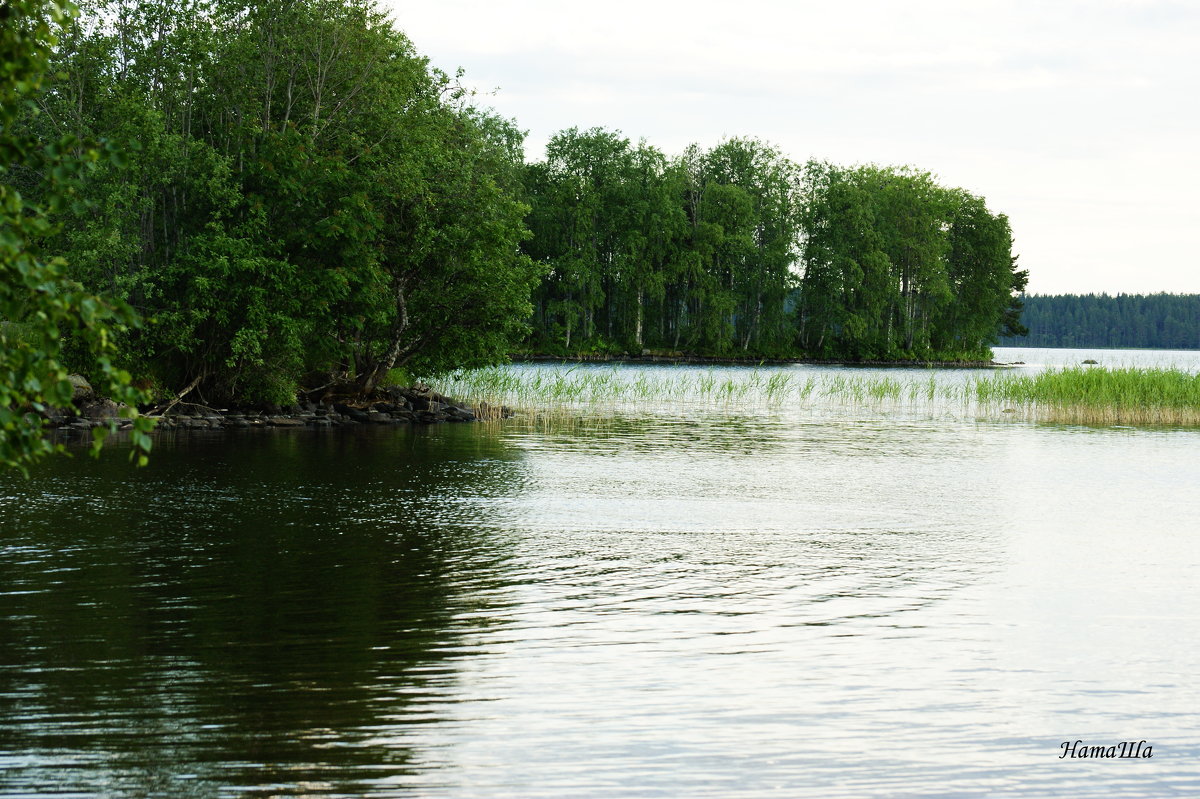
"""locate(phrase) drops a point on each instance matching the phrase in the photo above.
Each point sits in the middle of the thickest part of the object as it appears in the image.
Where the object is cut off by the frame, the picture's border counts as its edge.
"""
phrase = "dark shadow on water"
(261, 613)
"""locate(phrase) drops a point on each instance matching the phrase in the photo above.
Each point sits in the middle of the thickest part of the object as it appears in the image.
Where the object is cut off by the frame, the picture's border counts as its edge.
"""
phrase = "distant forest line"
(1153, 321)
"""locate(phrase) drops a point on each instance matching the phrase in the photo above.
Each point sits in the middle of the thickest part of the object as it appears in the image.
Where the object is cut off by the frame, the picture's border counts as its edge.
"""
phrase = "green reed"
(1073, 394)
(1131, 395)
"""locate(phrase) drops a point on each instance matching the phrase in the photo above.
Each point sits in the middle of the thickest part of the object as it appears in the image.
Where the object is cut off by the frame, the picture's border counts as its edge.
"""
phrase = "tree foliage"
(1154, 321)
(737, 251)
(305, 201)
(40, 305)
(301, 202)
(647, 252)
(896, 265)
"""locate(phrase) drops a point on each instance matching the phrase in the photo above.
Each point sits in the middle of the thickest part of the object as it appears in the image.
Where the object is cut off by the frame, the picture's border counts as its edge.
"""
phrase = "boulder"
(284, 421)
(81, 389)
(99, 409)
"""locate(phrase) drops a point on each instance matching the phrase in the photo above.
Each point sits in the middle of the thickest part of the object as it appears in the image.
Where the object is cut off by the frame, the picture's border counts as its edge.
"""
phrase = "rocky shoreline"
(396, 405)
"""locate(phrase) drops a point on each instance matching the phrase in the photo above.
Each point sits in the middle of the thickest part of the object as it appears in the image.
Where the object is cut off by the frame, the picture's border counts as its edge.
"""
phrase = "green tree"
(984, 280)
(309, 203)
(847, 289)
(39, 305)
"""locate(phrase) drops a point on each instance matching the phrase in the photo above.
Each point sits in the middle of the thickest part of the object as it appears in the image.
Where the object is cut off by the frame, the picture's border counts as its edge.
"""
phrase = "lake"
(671, 598)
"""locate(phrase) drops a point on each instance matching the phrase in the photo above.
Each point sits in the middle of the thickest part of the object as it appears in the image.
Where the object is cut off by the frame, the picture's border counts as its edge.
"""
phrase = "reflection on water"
(241, 610)
(667, 604)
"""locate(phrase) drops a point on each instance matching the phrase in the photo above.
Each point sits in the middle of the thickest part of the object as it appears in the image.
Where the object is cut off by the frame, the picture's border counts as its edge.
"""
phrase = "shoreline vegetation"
(280, 218)
(206, 204)
(1084, 395)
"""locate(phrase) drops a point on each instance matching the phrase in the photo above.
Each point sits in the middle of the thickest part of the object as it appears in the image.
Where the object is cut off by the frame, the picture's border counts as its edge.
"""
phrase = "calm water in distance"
(739, 602)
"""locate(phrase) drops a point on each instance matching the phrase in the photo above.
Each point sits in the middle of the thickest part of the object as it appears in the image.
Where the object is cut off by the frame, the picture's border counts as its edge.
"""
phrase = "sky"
(1079, 120)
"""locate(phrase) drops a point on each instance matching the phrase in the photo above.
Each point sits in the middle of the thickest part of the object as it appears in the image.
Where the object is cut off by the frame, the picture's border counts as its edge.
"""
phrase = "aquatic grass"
(1091, 395)
(1077, 395)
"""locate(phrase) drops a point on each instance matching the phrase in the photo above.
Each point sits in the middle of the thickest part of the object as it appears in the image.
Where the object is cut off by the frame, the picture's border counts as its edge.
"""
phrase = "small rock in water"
(285, 421)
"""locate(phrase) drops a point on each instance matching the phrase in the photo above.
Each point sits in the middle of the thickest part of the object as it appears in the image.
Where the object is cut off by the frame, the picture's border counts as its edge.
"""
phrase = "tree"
(39, 305)
(309, 202)
(896, 265)
(984, 280)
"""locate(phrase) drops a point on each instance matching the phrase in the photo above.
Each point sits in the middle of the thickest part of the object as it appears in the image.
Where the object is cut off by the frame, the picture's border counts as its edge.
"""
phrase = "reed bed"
(1083, 395)
(1095, 395)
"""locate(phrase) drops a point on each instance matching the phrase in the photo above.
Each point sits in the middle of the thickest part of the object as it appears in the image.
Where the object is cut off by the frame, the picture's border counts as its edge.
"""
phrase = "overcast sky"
(1080, 120)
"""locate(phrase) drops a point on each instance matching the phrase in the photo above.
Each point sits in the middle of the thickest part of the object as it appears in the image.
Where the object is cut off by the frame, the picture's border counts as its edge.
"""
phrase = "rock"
(397, 395)
(460, 414)
(56, 417)
(81, 389)
(351, 413)
(1090, 361)
(418, 398)
(378, 417)
(100, 409)
(284, 421)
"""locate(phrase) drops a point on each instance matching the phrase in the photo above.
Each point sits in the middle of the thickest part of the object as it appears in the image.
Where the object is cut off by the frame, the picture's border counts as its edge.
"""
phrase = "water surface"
(741, 600)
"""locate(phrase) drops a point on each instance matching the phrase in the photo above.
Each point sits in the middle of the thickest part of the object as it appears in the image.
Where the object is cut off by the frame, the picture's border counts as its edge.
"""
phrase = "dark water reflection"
(248, 612)
(658, 606)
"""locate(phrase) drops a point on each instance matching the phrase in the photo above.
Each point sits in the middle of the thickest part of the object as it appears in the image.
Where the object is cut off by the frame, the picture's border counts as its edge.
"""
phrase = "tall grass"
(1073, 394)
(1130, 395)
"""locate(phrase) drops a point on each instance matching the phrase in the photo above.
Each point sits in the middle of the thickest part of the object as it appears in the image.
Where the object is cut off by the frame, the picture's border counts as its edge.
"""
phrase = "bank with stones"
(395, 405)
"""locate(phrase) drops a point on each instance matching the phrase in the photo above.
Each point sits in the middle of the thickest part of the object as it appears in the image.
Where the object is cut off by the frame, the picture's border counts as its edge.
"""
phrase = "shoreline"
(701, 360)
(395, 405)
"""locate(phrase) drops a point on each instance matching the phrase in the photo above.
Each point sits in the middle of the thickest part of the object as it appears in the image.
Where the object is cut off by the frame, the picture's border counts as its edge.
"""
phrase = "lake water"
(742, 599)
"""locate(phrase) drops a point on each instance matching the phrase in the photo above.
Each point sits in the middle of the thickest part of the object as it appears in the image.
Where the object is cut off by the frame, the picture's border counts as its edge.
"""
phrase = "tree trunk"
(637, 330)
(369, 380)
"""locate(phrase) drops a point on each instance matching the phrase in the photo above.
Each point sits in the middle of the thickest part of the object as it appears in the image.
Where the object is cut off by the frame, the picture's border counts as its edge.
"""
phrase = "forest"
(738, 251)
(251, 198)
(1151, 321)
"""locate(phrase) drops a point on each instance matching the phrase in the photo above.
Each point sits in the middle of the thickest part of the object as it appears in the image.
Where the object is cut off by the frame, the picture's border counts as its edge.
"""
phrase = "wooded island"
(287, 196)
